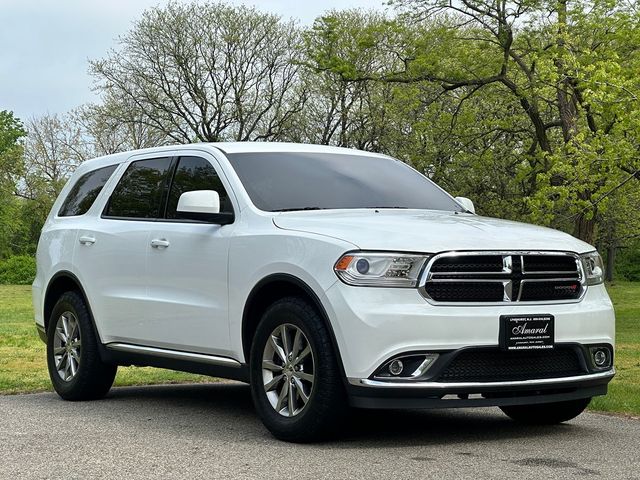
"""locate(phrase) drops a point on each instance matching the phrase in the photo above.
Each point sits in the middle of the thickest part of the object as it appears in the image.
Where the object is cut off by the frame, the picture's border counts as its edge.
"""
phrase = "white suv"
(324, 277)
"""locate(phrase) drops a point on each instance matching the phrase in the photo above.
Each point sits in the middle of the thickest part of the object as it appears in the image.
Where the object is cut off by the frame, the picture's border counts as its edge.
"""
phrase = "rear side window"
(139, 192)
(195, 173)
(85, 191)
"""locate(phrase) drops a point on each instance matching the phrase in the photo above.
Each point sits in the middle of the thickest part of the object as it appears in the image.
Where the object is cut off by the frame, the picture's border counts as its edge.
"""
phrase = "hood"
(427, 231)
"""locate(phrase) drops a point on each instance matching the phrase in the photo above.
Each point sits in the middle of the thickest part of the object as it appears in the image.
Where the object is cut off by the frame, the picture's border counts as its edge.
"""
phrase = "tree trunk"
(611, 262)
(565, 95)
(584, 229)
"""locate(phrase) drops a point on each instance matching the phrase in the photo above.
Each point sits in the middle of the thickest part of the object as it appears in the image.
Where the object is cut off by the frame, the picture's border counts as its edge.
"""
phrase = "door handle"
(87, 240)
(160, 243)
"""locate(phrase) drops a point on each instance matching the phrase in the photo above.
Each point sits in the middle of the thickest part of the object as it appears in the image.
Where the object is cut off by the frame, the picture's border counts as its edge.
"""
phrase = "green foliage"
(628, 263)
(531, 109)
(17, 270)
(11, 130)
(11, 166)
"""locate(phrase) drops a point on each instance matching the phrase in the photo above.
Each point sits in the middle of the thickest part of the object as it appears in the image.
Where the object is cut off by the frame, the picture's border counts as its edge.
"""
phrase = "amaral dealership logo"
(523, 330)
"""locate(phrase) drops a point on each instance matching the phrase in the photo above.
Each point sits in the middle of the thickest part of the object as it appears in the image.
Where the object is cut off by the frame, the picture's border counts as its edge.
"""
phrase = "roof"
(250, 147)
(225, 147)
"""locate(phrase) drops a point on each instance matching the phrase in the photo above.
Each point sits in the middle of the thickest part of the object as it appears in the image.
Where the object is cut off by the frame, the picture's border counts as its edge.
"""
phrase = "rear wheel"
(546, 413)
(75, 367)
(296, 382)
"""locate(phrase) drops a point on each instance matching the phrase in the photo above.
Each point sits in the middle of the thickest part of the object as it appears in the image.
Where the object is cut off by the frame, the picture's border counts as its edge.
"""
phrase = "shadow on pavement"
(226, 410)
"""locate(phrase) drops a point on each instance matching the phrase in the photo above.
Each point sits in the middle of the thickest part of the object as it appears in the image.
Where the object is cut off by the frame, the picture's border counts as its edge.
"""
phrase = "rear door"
(112, 249)
(187, 267)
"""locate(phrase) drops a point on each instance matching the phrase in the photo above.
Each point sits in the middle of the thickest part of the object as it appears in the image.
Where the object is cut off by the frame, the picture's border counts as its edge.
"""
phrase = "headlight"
(378, 269)
(593, 267)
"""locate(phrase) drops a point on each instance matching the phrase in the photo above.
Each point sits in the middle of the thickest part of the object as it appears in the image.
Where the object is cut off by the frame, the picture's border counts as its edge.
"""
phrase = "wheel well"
(60, 284)
(266, 293)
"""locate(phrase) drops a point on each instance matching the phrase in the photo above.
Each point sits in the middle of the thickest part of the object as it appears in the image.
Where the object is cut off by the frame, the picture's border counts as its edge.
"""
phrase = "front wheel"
(75, 367)
(296, 382)
(546, 413)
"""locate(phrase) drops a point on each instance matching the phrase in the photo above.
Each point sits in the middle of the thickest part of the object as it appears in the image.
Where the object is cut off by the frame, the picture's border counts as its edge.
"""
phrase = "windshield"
(286, 181)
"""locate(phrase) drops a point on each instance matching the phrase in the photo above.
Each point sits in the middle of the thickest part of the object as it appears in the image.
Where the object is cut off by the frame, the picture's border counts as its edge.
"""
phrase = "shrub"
(17, 270)
(628, 263)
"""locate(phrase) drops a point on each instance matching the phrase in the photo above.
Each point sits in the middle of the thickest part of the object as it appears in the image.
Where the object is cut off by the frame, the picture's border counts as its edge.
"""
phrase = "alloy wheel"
(288, 370)
(67, 346)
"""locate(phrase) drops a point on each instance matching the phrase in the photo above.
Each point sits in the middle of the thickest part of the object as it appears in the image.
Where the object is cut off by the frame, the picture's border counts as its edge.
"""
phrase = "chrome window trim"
(428, 276)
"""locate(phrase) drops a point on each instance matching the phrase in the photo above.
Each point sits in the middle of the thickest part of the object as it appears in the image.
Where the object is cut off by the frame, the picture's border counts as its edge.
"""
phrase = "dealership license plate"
(526, 332)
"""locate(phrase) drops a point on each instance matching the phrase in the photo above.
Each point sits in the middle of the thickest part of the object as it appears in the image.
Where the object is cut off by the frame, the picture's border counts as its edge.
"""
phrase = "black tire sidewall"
(93, 378)
(547, 413)
(66, 303)
(327, 400)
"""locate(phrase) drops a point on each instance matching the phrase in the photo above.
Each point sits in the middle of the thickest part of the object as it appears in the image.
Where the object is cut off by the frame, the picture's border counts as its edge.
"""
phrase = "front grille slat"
(477, 263)
(466, 291)
(548, 264)
(493, 365)
(549, 290)
(503, 277)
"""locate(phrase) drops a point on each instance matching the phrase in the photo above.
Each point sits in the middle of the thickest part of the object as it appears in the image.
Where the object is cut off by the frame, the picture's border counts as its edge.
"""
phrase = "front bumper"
(373, 325)
(366, 393)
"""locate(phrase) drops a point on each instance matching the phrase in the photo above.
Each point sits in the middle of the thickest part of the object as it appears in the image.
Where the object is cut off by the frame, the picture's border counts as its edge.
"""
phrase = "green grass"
(23, 369)
(22, 353)
(624, 390)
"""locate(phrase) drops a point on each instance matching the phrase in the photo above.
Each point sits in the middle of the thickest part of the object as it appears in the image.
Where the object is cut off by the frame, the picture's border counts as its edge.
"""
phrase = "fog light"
(407, 367)
(396, 367)
(600, 358)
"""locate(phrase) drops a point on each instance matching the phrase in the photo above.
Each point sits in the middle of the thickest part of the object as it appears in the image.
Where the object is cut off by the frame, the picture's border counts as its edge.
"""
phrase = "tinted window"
(85, 191)
(295, 181)
(194, 173)
(139, 192)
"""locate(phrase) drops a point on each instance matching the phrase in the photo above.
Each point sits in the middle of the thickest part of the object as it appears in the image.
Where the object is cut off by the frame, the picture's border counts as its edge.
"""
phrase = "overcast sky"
(45, 44)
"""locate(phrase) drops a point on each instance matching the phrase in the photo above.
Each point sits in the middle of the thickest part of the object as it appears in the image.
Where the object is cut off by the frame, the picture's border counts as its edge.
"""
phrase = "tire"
(546, 413)
(326, 406)
(91, 378)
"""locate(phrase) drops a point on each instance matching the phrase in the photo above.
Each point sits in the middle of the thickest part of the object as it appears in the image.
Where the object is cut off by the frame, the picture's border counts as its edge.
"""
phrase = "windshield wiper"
(297, 209)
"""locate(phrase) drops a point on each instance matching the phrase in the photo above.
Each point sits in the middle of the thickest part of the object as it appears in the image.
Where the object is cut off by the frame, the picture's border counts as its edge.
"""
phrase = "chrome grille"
(503, 277)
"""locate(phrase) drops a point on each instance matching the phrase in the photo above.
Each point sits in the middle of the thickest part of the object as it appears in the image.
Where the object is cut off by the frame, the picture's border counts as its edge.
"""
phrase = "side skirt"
(126, 354)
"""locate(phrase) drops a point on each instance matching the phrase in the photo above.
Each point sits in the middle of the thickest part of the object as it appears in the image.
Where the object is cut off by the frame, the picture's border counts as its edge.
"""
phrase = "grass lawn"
(624, 390)
(23, 368)
(22, 353)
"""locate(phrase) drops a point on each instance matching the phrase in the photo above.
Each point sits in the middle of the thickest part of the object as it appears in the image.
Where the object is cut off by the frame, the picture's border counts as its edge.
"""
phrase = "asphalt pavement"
(211, 431)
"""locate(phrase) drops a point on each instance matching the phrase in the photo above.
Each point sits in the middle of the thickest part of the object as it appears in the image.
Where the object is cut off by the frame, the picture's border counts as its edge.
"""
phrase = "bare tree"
(112, 127)
(53, 148)
(207, 72)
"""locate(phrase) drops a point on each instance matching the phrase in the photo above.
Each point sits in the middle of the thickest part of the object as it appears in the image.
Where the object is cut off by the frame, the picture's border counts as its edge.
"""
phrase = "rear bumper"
(368, 393)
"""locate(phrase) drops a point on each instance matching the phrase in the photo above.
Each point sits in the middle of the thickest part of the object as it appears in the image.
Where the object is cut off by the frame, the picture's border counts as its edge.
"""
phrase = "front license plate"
(526, 332)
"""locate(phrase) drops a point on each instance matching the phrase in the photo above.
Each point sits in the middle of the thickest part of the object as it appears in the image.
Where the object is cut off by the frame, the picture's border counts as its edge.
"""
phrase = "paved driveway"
(211, 431)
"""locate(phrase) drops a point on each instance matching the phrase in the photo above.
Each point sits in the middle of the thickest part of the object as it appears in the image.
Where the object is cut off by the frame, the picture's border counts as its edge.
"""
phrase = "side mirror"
(202, 205)
(466, 204)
